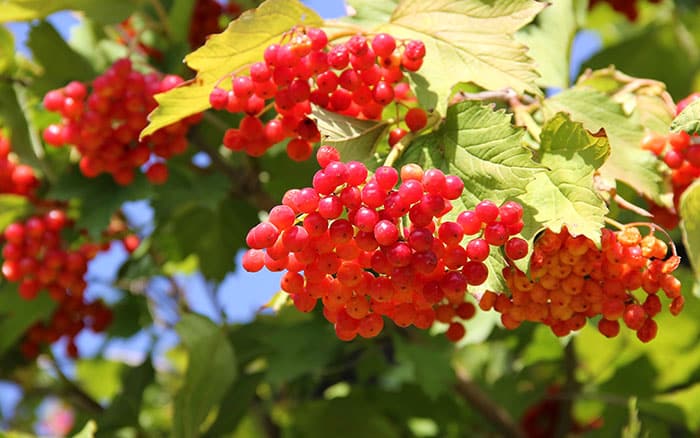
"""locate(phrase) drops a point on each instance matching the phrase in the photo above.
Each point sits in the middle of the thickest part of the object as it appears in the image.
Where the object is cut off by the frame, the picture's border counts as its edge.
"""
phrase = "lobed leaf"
(565, 195)
(688, 120)
(690, 224)
(242, 43)
(628, 162)
(468, 41)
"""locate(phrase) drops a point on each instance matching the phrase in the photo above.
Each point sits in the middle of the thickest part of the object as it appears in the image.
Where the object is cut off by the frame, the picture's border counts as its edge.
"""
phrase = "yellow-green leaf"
(355, 139)
(241, 44)
(689, 119)
(690, 224)
(468, 41)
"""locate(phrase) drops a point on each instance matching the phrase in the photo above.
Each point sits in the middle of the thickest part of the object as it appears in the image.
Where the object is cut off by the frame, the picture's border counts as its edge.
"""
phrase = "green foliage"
(565, 194)
(690, 226)
(16, 316)
(210, 371)
(355, 139)
(107, 12)
(466, 42)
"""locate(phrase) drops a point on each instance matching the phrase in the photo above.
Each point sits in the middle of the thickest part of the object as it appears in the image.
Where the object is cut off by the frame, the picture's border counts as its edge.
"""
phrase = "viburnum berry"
(357, 255)
(572, 280)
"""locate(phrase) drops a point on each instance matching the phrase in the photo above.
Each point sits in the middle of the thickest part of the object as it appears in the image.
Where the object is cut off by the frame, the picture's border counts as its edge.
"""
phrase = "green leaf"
(688, 120)
(369, 13)
(99, 377)
(17, 314)
(628, 162)
(98, 198)
(61, 63)
(125, 408)
(690, 224)
(549, 39)
(104, 11)
(237, 400)
(13, 112)
(565, 195)
(130, 314)
(88, 431)
(12, 208)
(429, 364)
(7, 50)
(210, 372)
(179, 17)
(634, 426)
(468, 41)
(355, 139)
(242, 43)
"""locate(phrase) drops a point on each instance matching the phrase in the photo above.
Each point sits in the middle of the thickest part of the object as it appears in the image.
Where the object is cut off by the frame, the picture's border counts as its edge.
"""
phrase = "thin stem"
(475, 396)
(622, 202)
(162, 16)
(80, 397)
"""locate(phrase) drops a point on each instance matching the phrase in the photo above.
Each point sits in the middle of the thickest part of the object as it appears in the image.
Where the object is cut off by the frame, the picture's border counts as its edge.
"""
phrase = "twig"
(476, 397)
(503, 95)
(81, 398)
(571, 387)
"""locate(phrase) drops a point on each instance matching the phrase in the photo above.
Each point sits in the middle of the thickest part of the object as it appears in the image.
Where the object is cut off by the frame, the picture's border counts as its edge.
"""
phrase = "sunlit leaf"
(104, 11)
(241, 44)
(688, 120)
(355, 139)
(468, 41)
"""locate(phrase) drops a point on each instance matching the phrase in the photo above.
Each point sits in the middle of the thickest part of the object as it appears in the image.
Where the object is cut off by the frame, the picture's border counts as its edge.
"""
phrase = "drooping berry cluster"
(105, 125)
(572, 280)
(369, 247)
(357, 78)
(15, 178)
(626, 7)
(206, 19)
(36, 257)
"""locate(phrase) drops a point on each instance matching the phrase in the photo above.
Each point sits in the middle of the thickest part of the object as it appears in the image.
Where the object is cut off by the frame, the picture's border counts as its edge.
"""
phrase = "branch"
(80, 397)
(476, 397)
(571, 388)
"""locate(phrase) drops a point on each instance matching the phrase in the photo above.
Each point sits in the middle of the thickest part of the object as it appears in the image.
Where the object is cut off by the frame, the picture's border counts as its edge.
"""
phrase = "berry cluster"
(105, 125)
(18, 179)
(626, 7)
(572, 280)
(206, 19)
(357, 78)
(36, 257)
(371, 246)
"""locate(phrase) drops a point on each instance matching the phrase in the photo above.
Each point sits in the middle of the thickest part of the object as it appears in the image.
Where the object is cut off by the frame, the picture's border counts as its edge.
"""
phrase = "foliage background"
(195, 369)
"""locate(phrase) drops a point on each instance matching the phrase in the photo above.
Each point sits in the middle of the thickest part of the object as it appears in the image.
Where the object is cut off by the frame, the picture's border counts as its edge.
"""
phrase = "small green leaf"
(690, 224)
(549, 39)
(565, 195)
(88, 431)
(210, 372)
(13, 115)
(99, 377)
(468, 41)
(369, 13)
(7, 50)
(104, 11)
(355, 139)
(628, 162)
(634, 426)
(12, 208)
(241, 44)
(237, 399)
(688, 120)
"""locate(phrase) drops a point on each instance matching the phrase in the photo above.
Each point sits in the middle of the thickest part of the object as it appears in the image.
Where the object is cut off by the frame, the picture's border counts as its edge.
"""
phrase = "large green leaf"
(237, 400)
(468, 41)
(690, 224)
(104, 11)
(549, 39)
(100, 378)
(241, 44)
(564, 195)
(688, 120)
(60, 62)
(7, 50)
(628, 162)
(97, 198)
(428, 364)
(17, 314)
(210, 371)
(369, 13)
(355, 139)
